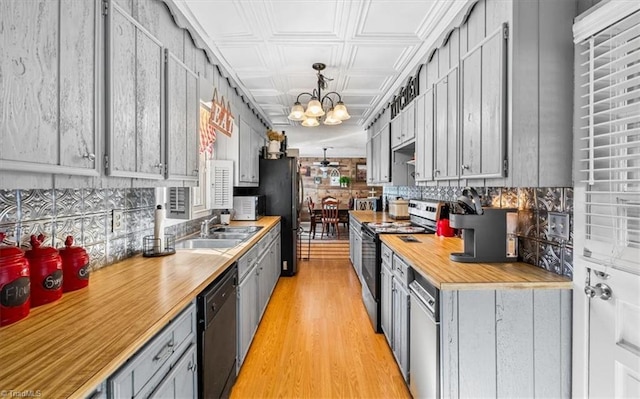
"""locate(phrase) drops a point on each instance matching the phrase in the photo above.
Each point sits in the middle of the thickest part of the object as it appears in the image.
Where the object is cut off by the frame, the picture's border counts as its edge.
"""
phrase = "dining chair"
(313, 219)
(365, 204)
(330, 216)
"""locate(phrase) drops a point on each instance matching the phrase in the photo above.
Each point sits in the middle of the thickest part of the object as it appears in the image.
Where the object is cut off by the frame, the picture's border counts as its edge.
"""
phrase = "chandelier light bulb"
(310, 122)
(330, 119)
(314, 108)
(297, 112)
(340, 112)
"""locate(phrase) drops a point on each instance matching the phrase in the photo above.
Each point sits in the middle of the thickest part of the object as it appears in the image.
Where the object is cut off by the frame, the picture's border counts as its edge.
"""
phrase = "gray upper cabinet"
(483, 97)
(445, 144)
(49, 109)
(135, 99)
(424, 136)
(183, 99)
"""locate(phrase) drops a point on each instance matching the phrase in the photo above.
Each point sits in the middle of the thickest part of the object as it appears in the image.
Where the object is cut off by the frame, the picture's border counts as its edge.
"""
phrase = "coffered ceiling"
(370, 48)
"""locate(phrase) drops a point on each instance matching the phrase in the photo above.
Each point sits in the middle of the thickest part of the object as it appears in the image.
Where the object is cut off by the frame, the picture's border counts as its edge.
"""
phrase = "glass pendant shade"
(314, 108)
(340, 112)
(330, 119)
(297, 112)
(310, 122)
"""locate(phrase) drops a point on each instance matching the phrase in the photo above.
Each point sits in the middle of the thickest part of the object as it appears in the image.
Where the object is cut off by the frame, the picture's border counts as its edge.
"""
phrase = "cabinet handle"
(159, 165)
(463, 166)
(165, 352)
(195, 171)
(89, 156)
(193, 367)
(436, 172)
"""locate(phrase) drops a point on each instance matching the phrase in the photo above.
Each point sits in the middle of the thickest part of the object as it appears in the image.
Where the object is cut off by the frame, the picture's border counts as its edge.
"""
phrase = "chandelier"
(336, 110)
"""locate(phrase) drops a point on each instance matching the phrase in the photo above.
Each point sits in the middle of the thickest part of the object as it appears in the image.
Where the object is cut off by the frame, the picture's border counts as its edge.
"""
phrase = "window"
(609, 142)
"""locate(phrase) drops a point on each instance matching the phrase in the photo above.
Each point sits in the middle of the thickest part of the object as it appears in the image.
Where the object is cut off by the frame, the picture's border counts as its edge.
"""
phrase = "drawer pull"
(166, 351)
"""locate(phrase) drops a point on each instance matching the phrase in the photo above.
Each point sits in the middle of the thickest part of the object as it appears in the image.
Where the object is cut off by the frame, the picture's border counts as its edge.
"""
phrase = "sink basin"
(207, 243)
(235, 236)
(237, 229)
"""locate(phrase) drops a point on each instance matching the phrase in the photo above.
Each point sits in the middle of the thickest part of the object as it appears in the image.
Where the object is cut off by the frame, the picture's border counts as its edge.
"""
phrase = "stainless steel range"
(422, 220)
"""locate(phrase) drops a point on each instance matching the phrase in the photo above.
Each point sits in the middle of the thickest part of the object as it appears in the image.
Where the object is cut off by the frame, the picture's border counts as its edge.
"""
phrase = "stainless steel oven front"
(371, 276)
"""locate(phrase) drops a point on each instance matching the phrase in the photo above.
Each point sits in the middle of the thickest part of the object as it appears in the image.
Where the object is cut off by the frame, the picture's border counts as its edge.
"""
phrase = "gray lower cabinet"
(386, 301)
(506, 343)
(401, 326)
(181, 382)
(394, 313)
(166, 360)
(258, 271)
(247, 312)
(400, 313)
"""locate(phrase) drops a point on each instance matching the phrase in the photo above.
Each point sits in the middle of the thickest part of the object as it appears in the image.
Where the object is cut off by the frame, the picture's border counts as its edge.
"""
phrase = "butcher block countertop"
(430, 257)
(68, 347)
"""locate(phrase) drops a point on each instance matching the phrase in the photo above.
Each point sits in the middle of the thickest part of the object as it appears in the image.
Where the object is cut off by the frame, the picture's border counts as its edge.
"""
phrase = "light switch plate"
(117, 224)
(558, 225)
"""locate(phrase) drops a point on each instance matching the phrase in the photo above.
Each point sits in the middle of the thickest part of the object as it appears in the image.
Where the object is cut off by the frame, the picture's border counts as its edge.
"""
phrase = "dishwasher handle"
(424, 297)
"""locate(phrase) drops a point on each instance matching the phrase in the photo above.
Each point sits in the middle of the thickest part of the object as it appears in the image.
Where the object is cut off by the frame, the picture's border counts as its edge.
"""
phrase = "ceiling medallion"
(336, 110)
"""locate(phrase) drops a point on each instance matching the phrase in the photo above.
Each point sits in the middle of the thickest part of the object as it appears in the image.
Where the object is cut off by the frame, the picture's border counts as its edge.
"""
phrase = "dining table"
(343, 214)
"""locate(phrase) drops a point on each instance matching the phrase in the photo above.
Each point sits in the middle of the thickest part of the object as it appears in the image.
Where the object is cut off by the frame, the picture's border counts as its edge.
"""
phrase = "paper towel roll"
(158, 230)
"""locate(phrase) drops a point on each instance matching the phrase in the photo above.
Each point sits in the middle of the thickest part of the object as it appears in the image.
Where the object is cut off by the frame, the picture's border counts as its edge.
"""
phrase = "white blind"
(609, 142)
(221, 184)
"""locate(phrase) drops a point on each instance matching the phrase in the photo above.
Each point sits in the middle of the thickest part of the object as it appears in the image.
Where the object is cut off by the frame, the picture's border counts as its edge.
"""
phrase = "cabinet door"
(386, 301)
(370, 161)
(446, 127)
(264, 283)
(135, 99)
(256, 145)
(181, 381)
(247, 312)
(182, 120)
(401, 327)
(482, 133)
(396, 131)
(49, 106)
(377, 158)
(408, 122)
(245, 164)
(424, 136)
(358, 256)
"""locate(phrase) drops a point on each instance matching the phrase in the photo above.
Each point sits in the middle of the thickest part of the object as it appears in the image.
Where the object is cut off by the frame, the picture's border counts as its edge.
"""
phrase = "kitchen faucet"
(204, 227)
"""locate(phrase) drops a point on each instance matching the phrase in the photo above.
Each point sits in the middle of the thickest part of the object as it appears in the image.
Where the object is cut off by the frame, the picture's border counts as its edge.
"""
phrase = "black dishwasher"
(217, 336)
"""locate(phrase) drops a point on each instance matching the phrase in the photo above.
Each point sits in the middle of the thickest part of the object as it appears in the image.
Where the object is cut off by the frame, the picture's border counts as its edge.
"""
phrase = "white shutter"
(609, 142)
(221, 184)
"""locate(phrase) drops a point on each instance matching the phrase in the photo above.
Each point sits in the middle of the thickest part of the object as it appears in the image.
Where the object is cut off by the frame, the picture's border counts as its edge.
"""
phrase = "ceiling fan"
(325, 164)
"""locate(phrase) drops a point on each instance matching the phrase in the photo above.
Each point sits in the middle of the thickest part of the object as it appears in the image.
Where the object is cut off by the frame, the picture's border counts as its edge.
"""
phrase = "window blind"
(609, 142)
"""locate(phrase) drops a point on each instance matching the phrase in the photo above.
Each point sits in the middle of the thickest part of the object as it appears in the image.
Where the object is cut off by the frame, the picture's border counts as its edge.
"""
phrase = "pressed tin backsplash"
(86, 214)
(533, 204)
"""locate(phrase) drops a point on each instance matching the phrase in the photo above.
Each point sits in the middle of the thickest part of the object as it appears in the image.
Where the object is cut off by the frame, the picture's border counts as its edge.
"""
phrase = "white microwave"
(250, 207)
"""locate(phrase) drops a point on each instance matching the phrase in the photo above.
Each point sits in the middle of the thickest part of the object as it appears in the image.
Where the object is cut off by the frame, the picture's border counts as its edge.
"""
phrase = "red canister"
(14, 284)
(46, 272)
(75, 266)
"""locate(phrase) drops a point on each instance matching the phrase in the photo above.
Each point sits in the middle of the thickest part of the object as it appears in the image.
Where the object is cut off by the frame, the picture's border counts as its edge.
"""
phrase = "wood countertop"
(430, 257)
(68, 347)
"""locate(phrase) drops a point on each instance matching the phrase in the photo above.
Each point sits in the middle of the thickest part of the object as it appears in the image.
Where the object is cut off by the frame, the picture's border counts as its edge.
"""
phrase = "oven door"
(369, 260)
(370, 287)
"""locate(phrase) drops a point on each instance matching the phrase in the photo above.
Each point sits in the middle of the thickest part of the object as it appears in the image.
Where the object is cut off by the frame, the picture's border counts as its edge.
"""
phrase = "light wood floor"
(315, 341)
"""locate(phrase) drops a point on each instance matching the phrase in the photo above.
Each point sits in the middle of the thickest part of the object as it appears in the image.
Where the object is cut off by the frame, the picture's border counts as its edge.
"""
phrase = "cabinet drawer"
(402, 271)
(246, 261)
(147, 367)
(387, 255)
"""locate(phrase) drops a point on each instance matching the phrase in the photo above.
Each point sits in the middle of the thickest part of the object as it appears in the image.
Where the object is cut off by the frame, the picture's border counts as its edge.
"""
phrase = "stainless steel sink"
(235, 236)
(237, 229)
(220, 237)
(207, 243)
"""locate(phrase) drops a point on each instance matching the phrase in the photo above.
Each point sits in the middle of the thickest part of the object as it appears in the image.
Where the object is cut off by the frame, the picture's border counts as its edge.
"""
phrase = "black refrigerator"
(280, 183)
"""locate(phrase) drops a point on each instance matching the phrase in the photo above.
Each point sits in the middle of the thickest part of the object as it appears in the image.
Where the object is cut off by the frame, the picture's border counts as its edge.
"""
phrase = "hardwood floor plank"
(315, 341)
